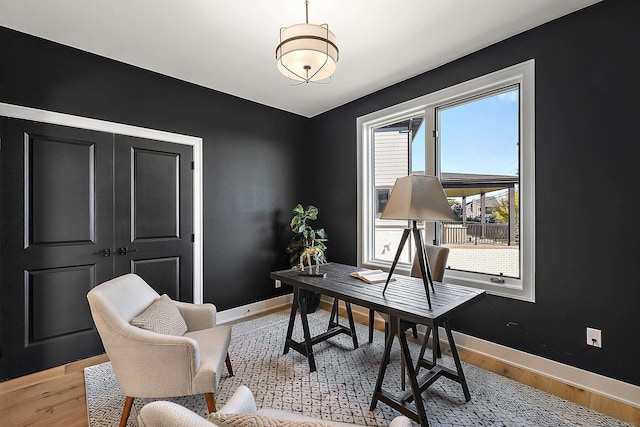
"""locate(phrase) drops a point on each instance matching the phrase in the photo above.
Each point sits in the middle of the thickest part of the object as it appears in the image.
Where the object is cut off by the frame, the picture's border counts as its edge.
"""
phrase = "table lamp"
(417, 198)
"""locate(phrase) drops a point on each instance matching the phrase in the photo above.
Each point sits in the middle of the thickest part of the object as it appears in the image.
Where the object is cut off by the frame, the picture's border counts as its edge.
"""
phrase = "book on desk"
(372, 276)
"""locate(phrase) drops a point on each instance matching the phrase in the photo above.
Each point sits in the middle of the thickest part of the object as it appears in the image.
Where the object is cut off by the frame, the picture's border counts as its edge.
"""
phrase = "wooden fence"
(457, 233)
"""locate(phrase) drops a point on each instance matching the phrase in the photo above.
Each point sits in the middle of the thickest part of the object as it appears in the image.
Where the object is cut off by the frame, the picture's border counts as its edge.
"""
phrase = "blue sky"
(477, 137)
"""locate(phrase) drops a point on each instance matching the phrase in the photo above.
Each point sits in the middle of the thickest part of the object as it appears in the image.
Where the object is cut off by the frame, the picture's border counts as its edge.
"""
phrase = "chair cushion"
(283, 415)
(252, 420)
(213, 344)
(162, 316)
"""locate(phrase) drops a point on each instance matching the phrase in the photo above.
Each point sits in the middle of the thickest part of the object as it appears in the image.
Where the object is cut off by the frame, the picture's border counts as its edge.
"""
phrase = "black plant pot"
(313, 301)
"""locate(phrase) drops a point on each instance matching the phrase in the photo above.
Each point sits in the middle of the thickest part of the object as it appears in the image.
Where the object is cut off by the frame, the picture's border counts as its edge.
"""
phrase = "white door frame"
(33, 114)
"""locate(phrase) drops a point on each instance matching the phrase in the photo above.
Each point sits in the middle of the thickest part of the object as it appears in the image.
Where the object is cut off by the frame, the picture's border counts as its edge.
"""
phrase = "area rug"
(342, 386)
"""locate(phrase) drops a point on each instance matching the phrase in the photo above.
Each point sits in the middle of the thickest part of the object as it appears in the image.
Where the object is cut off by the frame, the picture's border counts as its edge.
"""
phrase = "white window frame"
(523, 75)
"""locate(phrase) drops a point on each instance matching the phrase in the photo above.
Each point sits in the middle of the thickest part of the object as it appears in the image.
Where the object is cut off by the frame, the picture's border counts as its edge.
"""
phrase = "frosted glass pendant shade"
(307, 52)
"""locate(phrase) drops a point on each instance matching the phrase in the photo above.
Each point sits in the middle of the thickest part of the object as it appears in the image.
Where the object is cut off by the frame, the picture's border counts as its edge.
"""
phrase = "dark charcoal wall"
(249, 150)
(587, 257)
(587, 88)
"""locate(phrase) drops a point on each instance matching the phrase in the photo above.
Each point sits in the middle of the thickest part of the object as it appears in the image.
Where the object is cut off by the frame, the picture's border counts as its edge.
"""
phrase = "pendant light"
(307, 52)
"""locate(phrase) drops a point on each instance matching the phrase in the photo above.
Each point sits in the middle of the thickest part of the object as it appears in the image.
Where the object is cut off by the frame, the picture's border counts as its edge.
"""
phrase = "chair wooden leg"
(211, 402)
(227, 361)
(414, 328)
(126, 411)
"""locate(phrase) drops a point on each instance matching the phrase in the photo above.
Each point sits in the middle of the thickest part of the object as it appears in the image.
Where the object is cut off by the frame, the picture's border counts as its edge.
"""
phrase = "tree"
(501, 211)
(456, 207)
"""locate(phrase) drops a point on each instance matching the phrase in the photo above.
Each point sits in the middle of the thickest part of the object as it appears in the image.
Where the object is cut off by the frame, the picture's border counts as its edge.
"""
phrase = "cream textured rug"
(341, 388)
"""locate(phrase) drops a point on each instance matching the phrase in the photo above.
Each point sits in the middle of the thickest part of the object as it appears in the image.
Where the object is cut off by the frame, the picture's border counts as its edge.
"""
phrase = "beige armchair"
(240, 410)
(185, 358)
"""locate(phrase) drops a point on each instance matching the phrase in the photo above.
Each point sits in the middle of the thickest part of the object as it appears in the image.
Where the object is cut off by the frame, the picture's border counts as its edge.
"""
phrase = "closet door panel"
(56, 302)
(156, 195)
(77, 208)
(164, 273)
(60, 180)
(57, 217)
(154, 211)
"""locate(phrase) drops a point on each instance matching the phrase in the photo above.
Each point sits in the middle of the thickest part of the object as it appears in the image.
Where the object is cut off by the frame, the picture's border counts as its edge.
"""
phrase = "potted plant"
(306, 237)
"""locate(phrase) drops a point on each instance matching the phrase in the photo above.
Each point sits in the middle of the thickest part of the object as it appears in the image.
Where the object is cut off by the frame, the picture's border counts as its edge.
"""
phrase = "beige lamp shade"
(419, 198)
(307, 52)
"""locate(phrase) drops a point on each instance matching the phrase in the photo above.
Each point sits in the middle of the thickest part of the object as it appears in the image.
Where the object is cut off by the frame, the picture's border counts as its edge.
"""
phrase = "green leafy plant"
(304, 235)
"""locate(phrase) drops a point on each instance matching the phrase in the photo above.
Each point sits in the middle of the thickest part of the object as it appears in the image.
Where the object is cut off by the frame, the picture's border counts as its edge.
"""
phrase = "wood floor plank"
(55, 397)
(46, 398)
(615, 409)
(27, 380)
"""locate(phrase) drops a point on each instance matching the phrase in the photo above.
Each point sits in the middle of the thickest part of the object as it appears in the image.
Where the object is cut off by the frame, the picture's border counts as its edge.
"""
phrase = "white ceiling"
(229, 45)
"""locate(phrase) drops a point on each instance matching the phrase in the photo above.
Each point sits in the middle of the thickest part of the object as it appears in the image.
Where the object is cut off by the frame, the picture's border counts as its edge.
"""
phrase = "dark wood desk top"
(405, 297)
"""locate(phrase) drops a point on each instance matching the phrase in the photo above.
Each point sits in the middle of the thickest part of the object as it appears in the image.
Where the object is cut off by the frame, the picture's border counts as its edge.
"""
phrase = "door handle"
(124, 250)
(105, 252)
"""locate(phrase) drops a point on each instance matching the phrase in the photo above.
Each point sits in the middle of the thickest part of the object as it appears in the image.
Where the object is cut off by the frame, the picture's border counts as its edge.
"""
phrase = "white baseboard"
(237, 313)
(586, 380)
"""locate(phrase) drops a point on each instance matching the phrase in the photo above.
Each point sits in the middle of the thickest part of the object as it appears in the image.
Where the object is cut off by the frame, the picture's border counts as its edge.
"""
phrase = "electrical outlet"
(278, 283)
(594, 337)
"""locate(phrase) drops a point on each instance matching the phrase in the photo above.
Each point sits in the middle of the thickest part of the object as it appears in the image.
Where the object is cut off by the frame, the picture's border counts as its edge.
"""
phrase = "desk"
(404, 301)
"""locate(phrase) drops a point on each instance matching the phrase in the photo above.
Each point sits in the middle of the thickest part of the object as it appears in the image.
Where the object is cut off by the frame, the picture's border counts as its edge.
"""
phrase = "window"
(382, 194)
(394, 146)
(478, 137)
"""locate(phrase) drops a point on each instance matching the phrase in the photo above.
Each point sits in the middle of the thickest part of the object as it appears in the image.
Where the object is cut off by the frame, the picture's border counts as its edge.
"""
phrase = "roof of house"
(468, 184)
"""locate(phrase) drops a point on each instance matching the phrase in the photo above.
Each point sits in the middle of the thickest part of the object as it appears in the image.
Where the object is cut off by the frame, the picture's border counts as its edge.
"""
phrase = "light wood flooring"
(56, 397)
